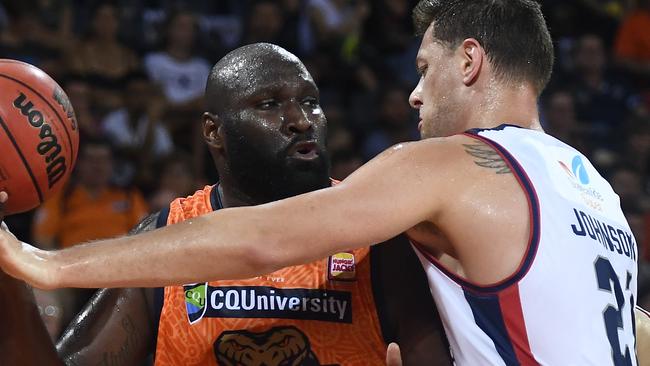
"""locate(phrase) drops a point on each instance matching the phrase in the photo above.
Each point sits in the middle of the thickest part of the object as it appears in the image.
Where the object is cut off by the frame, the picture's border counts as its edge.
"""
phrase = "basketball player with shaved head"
(266, 132)
(528, 254)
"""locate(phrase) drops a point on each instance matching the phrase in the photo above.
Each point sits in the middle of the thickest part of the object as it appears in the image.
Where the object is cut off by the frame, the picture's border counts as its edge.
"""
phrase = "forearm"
(227, 244)
(22, 331)
(186, 252)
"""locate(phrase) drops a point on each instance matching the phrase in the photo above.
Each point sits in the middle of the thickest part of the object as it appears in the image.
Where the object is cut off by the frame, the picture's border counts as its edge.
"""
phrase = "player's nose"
(414, 99)
(296, 120)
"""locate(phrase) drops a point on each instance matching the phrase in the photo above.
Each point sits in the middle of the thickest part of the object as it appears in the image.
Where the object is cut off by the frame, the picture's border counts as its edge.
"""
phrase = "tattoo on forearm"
(486, 157)
(124, 356)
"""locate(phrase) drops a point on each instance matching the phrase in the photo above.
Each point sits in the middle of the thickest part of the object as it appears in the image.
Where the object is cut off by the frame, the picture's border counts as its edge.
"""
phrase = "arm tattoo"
(486, 157)
(130, 345)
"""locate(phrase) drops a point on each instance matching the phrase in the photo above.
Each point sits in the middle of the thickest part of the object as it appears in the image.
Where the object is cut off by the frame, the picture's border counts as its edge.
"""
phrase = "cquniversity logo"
(195, 301)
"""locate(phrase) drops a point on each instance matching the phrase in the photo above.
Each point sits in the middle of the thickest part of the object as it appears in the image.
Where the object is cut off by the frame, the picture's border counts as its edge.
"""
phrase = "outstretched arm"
(397, 190)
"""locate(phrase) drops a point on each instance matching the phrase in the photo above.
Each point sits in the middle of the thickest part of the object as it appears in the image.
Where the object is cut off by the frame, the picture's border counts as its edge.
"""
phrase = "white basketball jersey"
(571, 302)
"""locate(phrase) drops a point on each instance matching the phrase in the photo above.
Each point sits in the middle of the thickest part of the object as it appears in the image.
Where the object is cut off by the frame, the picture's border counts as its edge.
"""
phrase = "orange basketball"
(39, 138)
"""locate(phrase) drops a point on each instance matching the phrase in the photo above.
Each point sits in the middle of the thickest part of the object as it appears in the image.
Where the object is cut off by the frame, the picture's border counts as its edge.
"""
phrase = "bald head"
(248, 69)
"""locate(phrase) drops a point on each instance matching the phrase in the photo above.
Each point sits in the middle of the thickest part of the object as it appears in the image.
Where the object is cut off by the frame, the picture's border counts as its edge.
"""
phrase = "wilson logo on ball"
(49, 145)
(64, 102)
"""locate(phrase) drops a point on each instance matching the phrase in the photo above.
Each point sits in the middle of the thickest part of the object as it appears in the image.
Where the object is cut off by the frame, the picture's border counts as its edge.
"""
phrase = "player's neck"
(515, 105)
(229, 198)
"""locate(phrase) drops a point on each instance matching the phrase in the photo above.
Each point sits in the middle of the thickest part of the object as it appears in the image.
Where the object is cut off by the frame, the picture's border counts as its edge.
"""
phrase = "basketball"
(39, 137)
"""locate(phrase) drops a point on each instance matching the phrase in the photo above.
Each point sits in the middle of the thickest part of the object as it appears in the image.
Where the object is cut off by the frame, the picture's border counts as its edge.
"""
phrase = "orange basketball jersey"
(321, 313)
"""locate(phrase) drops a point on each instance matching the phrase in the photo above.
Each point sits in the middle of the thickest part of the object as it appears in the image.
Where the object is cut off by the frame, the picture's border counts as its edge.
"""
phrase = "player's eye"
(311, 101)
(422, 70)
(267, 104)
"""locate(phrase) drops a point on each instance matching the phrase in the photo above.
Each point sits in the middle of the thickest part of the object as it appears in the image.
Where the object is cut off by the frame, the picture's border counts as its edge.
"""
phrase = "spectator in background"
(636, 151)
(177, 69)
(182, 74)
(600, 101)
(628, 184)
(38, 32)
(78, 90)
(102, 58)
(89, 207)
(632, 48)
(264, 23)
(177, 179)
(388, 36)
(326, 23)
(136, 131)
(559, 120)
(394, 123)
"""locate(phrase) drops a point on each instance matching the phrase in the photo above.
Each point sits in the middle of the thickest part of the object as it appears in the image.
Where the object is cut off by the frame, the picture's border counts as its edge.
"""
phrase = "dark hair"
(512, 32)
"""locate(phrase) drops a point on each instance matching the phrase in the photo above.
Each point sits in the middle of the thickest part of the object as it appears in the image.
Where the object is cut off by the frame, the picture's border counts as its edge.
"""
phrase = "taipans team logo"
(578, 170)
(279, 346)
(195, 301)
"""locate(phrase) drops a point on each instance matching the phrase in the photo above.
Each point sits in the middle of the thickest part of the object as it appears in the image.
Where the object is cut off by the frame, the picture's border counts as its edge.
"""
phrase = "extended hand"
(21, 260)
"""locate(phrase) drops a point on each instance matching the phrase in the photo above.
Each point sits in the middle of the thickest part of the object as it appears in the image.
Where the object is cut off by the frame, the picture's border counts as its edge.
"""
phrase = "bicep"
(387, 196)
(114, 323)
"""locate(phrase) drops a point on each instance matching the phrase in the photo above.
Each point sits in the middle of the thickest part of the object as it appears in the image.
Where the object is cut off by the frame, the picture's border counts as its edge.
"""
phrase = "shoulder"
(439, 153)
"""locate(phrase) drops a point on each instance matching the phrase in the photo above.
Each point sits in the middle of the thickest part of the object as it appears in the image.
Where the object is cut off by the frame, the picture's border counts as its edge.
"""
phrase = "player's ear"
(472, 56)
(213, 133)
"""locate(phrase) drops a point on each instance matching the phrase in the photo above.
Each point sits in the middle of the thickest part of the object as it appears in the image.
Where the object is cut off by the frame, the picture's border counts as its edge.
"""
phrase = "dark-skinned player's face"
(276, 132)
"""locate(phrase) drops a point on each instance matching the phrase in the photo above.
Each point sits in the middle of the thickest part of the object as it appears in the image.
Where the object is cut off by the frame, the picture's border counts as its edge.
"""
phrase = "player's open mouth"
(304, 150)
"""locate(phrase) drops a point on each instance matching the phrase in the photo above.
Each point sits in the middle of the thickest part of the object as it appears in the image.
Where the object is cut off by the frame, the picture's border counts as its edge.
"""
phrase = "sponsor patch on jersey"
(204, 301)
(342, 267)
(195, 301)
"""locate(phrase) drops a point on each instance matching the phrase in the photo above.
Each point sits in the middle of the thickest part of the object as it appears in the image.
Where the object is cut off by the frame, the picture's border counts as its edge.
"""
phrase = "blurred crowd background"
(135, 71)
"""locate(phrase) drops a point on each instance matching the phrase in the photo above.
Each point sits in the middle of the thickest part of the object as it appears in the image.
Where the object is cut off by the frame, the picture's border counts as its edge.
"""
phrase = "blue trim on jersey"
(215, 199)
(163, 216)
(488, 317)
(475, 131)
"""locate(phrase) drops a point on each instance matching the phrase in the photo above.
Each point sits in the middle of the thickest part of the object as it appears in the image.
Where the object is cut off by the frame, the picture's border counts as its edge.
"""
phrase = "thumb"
(393, 355)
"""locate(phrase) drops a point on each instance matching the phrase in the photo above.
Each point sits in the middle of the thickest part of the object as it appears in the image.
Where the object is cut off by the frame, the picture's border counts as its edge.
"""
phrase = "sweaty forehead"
(247, 73)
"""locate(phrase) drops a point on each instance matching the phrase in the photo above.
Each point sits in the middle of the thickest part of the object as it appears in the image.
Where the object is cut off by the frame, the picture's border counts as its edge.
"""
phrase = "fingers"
(393, 355)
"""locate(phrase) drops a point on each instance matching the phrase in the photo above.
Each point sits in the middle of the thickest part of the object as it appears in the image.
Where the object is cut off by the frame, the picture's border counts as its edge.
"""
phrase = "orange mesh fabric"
(270, 320)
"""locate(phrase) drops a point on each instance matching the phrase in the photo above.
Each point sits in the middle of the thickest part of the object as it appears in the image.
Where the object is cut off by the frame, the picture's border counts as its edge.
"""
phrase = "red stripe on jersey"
(513, 317)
